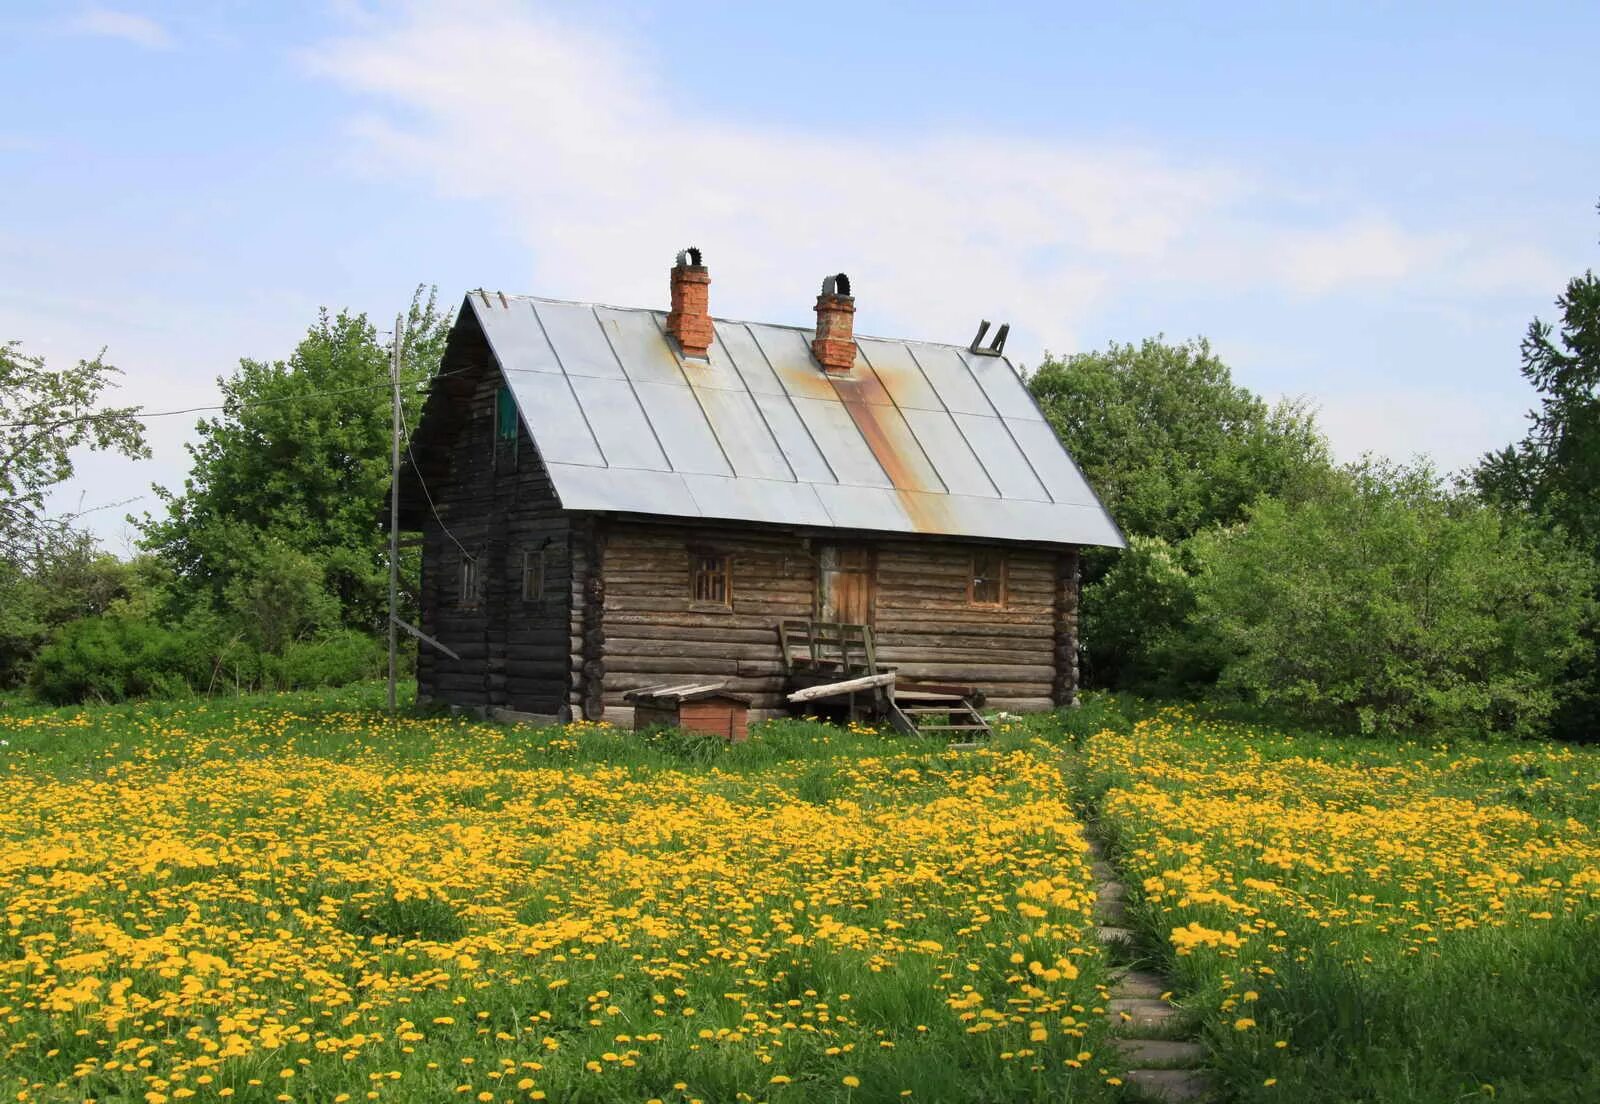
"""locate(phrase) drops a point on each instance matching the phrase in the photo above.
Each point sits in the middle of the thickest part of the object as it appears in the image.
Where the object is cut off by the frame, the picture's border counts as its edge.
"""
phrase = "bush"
(1390, 604)
(336, 659)
(114, 658)
(1138, 627)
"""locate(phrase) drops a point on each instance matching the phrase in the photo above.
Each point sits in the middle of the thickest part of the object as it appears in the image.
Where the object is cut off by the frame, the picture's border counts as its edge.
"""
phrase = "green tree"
(44, 416)
(1391, 604)
(1172, 445)
(278, 596)
(1169, 441)
(1555, 469)
(299, 459)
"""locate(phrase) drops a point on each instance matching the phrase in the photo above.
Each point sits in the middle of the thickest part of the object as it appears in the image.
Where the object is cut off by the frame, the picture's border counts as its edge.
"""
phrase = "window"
(467, 596)
(505, 416)
(710, 578)
(532, 574)
(506, 425)
(988, 585)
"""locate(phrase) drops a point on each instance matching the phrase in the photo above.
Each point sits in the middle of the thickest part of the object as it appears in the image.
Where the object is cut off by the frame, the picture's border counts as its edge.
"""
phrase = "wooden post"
(1065, 689)
(394, 512)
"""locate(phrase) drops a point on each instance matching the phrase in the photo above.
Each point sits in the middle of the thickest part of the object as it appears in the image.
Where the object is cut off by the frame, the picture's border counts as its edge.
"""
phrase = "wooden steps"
(927, 712)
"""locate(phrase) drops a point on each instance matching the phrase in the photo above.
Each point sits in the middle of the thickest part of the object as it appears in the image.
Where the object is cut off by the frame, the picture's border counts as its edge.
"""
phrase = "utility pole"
(394, 514)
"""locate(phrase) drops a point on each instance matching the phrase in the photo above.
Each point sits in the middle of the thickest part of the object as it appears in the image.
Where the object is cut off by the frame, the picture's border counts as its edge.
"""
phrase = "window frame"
(1000, 580)
(469, 584)
(534, 558)
(698, 558)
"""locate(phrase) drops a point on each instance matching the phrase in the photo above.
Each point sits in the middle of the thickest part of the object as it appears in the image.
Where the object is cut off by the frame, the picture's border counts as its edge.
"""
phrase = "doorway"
(844, 584)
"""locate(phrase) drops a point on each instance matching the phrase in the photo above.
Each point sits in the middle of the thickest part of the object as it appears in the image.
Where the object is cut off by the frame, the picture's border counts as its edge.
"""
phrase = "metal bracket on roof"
(995, 348)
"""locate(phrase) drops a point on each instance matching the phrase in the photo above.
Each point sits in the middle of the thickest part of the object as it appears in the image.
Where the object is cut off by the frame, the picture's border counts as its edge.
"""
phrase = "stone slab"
(1170, 1086)
(1162, 1053)
(1139, 983)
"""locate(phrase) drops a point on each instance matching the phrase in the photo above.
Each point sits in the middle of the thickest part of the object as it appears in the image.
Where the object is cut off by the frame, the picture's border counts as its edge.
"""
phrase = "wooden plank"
(834, 689)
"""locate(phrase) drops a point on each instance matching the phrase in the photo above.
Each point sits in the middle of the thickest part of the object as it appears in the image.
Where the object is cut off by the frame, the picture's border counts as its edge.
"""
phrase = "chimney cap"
(837, 284)
(690, 258)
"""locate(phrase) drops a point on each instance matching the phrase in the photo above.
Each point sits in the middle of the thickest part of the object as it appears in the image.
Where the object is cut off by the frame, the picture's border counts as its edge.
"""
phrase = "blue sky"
(1361, 205)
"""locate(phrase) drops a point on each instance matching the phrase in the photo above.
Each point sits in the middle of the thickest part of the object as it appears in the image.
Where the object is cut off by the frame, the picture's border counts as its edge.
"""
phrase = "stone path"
(1147, 1029)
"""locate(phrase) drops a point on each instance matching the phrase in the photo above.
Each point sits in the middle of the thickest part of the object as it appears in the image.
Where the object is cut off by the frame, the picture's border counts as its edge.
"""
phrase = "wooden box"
(701, 707)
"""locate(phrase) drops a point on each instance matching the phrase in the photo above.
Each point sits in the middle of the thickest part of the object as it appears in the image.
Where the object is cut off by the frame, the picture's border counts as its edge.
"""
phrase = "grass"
(295, 898)
(1358, 920)
(292, 897)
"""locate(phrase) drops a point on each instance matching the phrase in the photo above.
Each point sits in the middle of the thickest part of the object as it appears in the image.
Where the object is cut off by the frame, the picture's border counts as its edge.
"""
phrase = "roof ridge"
(524, 297)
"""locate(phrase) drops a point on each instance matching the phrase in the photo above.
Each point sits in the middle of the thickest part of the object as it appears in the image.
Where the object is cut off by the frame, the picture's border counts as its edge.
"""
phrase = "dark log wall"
(514, 653)
(653, 632)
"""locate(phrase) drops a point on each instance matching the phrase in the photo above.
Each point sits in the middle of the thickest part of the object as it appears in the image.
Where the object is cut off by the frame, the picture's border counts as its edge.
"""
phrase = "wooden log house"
(610, 499)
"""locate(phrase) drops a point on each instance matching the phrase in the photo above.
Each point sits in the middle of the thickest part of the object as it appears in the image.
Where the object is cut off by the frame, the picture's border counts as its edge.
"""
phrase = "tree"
(44, 416)
(299, 460)
(1169, 441)
(1555, 469)
(1173, 446)
(1391, 604)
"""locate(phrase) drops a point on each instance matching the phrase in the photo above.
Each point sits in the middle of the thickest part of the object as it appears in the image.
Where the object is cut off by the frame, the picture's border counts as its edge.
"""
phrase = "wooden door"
(844, 584)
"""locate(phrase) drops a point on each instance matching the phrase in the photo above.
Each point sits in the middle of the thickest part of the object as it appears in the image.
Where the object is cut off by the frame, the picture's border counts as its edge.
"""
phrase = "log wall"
(654, 633)
(925, 625)
(514, 653)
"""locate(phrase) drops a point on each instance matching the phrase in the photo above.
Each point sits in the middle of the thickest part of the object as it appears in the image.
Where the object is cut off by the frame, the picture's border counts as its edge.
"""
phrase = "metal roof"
(917, 438)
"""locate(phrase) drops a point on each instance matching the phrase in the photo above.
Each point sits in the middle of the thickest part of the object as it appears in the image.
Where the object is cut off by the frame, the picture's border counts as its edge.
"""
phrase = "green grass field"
(294, 898)
(1350, 919)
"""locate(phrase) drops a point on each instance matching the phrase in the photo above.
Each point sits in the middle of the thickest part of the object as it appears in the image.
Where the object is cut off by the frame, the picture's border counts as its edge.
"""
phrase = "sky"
(1361, 206)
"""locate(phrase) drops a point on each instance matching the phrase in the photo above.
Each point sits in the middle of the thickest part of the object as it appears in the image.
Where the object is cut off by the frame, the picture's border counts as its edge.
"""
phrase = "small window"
(533, 574)
(988, 586)
(710, 578)
(505, 416)
(468, 594)
(506, 425)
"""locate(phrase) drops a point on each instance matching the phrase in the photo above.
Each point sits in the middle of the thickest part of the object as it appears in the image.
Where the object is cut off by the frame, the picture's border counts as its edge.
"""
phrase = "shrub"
(1390, 604)
(336, 659)
(1138, 623)
(114, 658)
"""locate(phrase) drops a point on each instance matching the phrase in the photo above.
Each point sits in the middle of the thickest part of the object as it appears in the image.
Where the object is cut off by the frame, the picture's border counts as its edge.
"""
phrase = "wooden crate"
(707, 708)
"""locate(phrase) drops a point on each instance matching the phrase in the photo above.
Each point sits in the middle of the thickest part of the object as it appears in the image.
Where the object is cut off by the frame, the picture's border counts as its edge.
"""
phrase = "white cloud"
(571, 138)
(108, 23)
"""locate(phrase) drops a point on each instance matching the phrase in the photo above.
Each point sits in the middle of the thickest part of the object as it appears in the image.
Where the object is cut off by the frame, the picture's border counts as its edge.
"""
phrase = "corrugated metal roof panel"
(900, 374)
(917, 438)
(739, 343)
(624, 492)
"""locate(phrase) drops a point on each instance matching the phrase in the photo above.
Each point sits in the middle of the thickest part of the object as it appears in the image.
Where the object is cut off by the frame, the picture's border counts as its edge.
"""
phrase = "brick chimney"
(690, 319)
(835, 343)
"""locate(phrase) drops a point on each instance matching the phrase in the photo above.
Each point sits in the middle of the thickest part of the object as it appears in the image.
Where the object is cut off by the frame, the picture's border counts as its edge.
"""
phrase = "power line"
(136, 415)
(416, 470)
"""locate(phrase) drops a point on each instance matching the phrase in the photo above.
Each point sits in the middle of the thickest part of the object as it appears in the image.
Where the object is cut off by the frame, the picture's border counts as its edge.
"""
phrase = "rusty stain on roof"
(915, 438)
